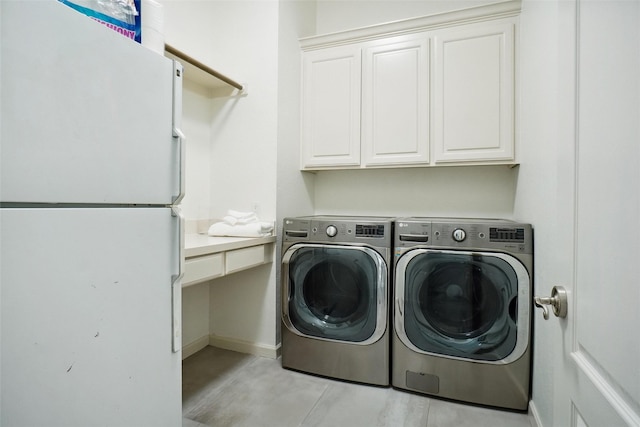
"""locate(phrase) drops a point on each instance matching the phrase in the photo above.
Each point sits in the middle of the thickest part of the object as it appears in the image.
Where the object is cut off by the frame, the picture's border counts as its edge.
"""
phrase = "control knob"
(459, 235)
(332, 231)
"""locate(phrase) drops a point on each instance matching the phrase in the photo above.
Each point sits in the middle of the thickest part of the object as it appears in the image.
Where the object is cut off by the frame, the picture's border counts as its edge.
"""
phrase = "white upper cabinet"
(474, 98)
(395, 102)
(429, 91)
(331, 107)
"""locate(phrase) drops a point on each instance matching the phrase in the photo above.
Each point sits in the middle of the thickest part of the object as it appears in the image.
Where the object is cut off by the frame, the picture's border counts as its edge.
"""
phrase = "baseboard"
(195, 346)
(262, 350)
(533, 414)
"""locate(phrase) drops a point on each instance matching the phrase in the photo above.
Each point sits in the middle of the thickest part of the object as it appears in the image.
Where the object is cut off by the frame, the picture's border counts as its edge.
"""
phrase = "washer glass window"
(333, 292)
(462, 305)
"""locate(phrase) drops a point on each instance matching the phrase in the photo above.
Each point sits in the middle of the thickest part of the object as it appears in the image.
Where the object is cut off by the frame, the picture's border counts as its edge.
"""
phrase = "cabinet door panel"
(395, 102)
(331, 107)
(474, 93)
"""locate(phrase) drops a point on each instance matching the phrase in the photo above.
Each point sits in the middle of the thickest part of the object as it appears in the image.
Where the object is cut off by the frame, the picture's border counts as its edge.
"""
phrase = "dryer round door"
(336, 293)
(467, 305)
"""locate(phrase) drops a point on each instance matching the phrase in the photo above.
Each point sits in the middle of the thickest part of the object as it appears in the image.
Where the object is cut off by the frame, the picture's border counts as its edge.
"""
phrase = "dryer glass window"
(333, 293)
(462, 305)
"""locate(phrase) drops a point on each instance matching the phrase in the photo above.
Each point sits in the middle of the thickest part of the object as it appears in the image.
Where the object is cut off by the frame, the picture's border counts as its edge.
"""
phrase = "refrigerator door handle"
(176, 285)
(177, 124)
(177, 133)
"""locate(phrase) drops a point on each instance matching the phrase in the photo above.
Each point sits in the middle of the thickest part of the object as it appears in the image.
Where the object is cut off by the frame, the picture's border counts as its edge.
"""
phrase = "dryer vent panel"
(423, 382)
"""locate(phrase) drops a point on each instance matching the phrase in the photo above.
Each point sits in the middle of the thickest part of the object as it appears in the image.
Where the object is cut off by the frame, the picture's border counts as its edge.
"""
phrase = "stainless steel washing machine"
(335, 297)
(462, 309)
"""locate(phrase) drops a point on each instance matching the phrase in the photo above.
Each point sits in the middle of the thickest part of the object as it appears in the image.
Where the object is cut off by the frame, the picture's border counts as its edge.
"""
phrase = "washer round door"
(335, 293)
(463, 304)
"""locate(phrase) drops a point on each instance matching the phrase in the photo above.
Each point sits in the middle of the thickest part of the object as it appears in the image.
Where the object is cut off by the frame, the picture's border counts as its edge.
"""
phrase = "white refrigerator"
(91, 170)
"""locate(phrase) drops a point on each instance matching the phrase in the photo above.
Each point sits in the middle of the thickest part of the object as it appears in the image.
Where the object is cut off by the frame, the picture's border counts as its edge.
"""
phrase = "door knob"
(557, 301)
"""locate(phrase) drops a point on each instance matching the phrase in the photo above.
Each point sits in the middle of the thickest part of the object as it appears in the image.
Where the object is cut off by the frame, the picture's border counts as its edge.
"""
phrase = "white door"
(87, 114)
(598, 345)
(87, 317)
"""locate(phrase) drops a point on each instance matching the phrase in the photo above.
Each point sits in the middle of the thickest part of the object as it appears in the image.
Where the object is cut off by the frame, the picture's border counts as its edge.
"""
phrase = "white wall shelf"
(202, 74)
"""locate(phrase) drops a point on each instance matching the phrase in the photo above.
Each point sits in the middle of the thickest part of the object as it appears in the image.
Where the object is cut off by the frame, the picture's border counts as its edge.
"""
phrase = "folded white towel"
(256, 229)
(240, 215)
(249, 219)
(231, 220)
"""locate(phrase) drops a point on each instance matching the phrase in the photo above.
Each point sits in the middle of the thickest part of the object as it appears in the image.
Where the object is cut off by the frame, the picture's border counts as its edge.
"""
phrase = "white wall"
(195, 317)
(196, 125)
(538, 170)
(295, 190)
(243, 160)
(243, 311)
(244, 144)
(231, 149)
(237, 38)
(333, 16)
(534, 200)
(475, 191)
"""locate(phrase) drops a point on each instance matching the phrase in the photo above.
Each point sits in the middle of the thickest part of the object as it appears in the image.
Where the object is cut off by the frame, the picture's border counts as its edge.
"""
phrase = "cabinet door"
(474, 93)
(395, 102)
(331, 107)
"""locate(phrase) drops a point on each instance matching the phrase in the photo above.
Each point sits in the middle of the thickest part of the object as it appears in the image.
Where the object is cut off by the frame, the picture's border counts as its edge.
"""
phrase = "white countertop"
(202, 244)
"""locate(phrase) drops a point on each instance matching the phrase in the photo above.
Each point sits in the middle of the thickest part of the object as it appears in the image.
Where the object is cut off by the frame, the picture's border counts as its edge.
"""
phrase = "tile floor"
(224, 388)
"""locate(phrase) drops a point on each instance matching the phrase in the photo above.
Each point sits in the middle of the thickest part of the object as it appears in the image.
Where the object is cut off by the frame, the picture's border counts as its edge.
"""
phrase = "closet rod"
(179, 54)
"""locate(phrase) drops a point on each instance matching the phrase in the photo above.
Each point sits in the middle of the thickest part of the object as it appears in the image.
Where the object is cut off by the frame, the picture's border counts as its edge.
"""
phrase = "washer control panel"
(371, 230)
(463, 233)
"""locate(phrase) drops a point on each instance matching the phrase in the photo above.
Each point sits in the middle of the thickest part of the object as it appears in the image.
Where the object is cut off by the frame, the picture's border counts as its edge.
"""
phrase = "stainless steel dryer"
(335, 297)
(462, 309)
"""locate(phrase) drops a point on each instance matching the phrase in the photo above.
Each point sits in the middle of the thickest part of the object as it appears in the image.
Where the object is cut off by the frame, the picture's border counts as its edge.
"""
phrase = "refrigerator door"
(86, 320)
(87, 114)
